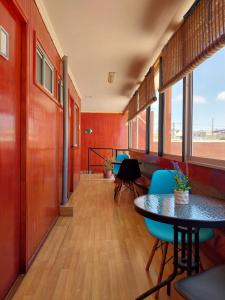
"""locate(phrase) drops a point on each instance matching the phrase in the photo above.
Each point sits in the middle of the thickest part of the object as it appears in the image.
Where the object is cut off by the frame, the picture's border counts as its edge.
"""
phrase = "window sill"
(47, 94)
(208, 164)
(172, 157)
(137, 150)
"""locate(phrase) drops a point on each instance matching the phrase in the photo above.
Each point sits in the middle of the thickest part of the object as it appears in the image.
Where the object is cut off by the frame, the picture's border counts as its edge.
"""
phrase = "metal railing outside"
(114, 152)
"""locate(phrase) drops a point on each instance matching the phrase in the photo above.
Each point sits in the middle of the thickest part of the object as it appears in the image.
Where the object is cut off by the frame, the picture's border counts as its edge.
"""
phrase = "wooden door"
(73, 140)
(10, 89)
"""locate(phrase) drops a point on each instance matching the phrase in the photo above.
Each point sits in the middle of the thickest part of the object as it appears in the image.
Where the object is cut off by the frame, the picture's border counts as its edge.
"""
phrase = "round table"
(187, 220)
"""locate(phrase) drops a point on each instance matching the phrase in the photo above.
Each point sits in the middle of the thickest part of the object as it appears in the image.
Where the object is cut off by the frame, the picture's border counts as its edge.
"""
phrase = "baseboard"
(14, 287)
(66, 211)
(30, 261)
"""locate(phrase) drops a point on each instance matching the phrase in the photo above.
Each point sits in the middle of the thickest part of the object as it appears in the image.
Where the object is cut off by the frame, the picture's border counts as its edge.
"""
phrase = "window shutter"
(200, 35)
(133, 106)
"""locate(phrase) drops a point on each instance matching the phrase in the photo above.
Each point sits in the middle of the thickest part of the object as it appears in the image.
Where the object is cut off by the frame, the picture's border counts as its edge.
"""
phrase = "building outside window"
(173, 116)
(141, 130)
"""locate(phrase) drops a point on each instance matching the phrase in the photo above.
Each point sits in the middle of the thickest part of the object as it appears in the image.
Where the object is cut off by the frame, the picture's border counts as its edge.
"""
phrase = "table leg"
(189, 251)
(197, 257)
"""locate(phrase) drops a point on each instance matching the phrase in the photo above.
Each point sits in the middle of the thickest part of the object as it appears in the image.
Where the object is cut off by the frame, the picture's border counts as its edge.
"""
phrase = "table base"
(184, 262)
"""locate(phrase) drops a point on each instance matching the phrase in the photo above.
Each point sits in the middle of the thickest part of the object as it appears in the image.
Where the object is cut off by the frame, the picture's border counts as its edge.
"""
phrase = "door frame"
(15, 7)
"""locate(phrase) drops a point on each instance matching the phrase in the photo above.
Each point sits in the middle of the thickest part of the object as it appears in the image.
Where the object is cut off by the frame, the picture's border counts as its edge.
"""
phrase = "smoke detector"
(111, 77)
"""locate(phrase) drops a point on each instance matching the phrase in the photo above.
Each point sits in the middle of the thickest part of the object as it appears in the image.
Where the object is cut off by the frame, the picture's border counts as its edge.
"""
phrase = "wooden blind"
(147, 90)
(142, 91)
(200, 35)
(151, 85)
(133, 106)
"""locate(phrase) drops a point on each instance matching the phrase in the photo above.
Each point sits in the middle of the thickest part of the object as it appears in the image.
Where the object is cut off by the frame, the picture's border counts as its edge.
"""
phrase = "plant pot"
(181, 197)
(107, 173)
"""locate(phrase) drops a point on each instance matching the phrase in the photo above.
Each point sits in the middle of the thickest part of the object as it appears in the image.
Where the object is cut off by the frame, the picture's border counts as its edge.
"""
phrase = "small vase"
(107, 174)
(181, 197)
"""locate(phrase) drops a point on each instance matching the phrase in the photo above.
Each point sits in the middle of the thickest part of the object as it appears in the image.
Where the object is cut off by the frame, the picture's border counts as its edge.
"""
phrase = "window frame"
(130, 136)
(76, 126)
(60, 91)
(203, 161)
(45, 60)
(170, 155)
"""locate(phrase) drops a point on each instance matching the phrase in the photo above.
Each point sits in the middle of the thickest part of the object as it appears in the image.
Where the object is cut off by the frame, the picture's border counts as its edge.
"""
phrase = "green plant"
(182, 180)
(108, 164)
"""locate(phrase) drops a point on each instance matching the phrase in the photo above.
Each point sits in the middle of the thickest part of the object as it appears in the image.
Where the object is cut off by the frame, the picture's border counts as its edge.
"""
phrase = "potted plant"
(108, 168)
(181, 192)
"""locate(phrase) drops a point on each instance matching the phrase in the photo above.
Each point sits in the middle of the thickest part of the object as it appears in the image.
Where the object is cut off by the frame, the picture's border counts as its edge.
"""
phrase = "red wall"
(109, 130)
(10, 169)
(42, 138)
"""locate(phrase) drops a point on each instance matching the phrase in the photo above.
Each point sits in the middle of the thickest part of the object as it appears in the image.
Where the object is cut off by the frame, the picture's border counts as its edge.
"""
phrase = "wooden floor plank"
(99, 253)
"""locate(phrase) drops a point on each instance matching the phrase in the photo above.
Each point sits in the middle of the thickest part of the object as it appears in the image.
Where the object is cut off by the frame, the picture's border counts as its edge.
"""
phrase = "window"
(141, 130)
(76, 126)
(208, 124)
(154, 125)
(60, 91)
(173, 116)
(137, 131)
(133, 137)
(39, 67)
(44, 70)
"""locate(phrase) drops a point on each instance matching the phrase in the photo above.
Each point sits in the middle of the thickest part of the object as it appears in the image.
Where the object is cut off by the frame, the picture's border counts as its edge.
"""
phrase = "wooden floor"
(99, 253)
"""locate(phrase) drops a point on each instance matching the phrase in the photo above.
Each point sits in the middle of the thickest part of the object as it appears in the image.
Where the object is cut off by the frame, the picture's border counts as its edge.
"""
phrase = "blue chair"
(119, 157)
(163, 182)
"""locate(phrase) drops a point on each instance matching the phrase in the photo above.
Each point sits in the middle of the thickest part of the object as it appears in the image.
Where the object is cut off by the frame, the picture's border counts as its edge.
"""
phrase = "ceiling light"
(111, 77)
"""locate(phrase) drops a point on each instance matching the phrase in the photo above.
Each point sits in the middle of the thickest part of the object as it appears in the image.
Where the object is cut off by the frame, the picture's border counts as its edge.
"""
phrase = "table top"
(200, 212)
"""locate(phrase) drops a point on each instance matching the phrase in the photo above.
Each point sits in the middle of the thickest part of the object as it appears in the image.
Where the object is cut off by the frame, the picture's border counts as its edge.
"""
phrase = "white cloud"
(221, 96)
(199, 99)
(178, 98)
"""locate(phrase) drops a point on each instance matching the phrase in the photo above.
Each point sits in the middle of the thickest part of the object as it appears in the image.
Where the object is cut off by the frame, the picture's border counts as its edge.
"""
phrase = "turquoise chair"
(163, 182)
(119, 157)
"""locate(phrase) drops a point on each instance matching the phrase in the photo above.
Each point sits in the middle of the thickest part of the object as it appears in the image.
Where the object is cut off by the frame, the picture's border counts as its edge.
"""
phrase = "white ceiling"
(122, 36)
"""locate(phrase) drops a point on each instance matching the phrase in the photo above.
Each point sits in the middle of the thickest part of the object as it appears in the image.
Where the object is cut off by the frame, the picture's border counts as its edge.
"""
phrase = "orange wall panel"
(109, 130)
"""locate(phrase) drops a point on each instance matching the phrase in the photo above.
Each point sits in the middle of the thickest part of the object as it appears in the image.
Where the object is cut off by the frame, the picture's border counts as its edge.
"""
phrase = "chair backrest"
(119, 157)
(129, 170)
(122, 156)
(162, 182)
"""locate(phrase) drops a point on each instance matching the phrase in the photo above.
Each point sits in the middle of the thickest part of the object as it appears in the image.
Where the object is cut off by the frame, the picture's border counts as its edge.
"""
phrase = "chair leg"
(162, 266)
(200, 265)
(119, 193)
(134, 190)
(155, 245)
(117, 185)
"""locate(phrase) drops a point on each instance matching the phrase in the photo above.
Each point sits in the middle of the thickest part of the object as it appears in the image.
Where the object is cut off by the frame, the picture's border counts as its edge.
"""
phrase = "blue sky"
(209, 94)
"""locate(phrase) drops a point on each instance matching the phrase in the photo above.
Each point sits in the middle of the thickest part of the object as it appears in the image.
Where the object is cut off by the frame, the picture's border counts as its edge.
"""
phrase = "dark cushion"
(208, 285)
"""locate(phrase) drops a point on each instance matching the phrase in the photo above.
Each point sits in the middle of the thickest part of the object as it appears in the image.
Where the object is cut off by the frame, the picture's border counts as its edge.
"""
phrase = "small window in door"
(76, 126)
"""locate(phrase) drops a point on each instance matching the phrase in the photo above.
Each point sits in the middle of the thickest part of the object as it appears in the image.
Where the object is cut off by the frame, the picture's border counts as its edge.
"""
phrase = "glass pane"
(38, 68)
(134, 133)
(142, 130)
(173, 119)
(48, 78)
(208, 134)
(75, 127)
(154, 122)
(60, 92)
